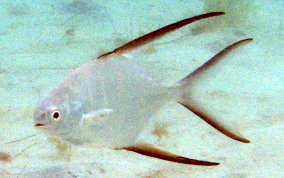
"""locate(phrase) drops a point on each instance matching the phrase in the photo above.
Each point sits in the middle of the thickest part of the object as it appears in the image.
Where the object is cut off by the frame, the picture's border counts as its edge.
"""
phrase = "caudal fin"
(191, 103)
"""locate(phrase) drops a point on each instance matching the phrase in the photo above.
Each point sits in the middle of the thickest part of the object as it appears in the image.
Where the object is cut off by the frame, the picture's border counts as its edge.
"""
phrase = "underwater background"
(42, 41)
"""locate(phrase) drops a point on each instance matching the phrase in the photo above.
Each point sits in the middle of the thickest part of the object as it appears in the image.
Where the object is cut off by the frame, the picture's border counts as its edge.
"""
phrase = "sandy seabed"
(42, 41)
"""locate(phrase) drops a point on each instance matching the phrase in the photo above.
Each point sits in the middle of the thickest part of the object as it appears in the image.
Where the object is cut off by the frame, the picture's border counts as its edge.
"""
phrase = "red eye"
(56, 115)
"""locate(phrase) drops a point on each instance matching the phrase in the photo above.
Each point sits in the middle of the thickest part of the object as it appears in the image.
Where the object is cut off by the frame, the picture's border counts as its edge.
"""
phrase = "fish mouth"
(38, 125)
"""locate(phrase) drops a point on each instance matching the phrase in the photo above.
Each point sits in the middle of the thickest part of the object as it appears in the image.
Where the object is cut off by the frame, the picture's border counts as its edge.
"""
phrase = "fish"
(108, 101)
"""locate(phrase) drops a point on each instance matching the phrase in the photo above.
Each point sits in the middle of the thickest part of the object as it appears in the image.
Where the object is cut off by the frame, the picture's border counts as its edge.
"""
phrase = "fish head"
(50, 116)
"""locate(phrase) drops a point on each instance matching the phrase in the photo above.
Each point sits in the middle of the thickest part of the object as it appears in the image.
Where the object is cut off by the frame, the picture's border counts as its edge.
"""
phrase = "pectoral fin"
(154, 151)
(96, 117)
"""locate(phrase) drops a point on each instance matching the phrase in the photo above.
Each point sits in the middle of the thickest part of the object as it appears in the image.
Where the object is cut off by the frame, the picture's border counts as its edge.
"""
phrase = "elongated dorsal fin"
(159, 33)
(154, 151)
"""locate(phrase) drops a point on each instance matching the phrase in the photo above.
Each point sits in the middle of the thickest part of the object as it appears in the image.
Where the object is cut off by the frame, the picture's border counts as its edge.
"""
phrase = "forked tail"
(190, 102)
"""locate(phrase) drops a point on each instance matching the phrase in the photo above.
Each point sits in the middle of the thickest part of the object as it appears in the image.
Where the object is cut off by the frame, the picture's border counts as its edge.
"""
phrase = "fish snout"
(39, 119)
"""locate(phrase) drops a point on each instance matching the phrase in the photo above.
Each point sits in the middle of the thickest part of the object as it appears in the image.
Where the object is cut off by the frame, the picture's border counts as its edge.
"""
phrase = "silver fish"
(108, 101)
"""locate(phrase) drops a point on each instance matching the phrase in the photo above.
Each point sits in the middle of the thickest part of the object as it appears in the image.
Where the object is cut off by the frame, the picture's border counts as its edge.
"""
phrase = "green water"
(41, 42)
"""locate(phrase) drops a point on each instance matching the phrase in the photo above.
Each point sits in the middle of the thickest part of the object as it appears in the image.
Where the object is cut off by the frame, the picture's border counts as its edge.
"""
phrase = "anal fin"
(154, 151)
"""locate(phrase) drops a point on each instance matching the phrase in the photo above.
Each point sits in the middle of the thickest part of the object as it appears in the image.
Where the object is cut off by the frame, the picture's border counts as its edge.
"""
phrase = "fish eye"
(56, 115)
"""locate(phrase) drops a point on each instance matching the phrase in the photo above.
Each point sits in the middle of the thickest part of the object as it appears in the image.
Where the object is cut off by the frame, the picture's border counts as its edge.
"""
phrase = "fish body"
(127, 94)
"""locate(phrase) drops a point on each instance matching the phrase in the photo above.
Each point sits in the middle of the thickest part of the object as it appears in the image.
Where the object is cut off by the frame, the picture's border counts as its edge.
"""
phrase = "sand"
(42, 41)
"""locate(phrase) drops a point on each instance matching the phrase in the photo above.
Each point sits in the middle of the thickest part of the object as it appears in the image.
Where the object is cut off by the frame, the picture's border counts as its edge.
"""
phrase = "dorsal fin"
(159, 33)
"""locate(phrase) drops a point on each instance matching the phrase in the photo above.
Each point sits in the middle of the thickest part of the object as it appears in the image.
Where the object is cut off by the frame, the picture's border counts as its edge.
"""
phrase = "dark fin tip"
(196, 162)
(245, 141)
